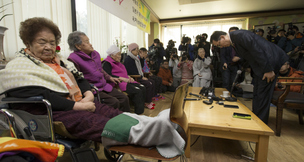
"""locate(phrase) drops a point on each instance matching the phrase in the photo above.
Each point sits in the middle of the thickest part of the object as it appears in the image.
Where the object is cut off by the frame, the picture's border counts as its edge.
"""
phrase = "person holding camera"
(201, 42)
(186, 47)
(176, 72)
(186, 67)
(201, 71)
(157, 51)
(280, 34)
(170, 50)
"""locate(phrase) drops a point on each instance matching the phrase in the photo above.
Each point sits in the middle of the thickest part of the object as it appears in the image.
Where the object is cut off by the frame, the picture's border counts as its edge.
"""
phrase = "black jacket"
(262, 55)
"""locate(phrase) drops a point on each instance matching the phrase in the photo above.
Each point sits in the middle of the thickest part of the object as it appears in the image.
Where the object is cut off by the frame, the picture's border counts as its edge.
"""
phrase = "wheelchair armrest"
(34, 98)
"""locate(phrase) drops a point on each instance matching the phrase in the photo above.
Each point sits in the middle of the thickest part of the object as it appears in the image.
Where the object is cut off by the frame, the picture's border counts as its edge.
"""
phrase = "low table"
(218, 122)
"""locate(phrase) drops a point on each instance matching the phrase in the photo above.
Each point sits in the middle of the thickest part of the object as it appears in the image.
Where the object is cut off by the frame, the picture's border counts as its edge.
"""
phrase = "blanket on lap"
(158, 131)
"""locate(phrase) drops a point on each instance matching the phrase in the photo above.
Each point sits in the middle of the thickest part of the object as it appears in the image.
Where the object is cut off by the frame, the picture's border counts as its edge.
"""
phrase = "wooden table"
(218, 122)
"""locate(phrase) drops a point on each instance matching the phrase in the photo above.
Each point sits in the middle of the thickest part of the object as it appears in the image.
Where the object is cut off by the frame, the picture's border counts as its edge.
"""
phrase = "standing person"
(265, 59)
(157, 51)
(133, 66)
(88, 61)
(176, 72)
(201, 71)
(186, 67)
(230, 63)
(186, 47)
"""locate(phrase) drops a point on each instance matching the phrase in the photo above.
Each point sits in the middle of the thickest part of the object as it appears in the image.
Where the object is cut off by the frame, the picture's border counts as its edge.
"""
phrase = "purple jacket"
(118, 69)
(91, 69)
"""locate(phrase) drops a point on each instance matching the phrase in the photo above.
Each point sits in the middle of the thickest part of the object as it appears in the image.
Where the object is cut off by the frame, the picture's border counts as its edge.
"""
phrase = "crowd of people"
(144, 74)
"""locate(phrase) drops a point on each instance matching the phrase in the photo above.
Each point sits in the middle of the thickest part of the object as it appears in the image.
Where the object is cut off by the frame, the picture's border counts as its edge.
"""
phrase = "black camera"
(185, 39)
(290, 30)
(184, 58)
(174, 56)
(272, 30)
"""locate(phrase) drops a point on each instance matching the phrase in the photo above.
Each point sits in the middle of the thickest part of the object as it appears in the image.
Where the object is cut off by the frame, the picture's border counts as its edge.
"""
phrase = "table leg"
(187, 150)
(261, 149)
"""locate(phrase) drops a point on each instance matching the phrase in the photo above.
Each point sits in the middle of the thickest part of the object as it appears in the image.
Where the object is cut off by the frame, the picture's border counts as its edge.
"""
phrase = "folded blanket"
(44, 151)
(156, 131)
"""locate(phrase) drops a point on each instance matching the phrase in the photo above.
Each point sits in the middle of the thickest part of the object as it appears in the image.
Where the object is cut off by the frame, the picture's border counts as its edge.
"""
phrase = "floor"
(287, 148)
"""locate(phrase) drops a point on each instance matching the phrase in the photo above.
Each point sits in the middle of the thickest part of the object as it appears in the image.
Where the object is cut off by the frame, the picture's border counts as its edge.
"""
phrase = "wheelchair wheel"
(113, 156)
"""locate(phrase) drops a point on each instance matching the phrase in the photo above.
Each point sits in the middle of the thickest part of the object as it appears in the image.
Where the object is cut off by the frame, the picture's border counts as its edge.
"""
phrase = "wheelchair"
(23, 125)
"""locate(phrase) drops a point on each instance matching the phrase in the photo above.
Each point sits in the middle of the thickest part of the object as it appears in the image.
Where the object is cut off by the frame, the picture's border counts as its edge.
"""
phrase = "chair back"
(177, 114)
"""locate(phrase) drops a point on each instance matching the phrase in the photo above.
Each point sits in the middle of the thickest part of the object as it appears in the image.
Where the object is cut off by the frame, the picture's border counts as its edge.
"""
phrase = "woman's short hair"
(75, 39)
(30, 27)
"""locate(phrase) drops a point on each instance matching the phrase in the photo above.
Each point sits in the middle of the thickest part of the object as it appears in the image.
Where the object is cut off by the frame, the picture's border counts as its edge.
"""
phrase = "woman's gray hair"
(75, 39)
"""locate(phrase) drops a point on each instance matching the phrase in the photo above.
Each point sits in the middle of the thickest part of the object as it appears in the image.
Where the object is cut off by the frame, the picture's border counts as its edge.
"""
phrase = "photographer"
(157, 51)
(260, 32)
(201, 42)
(272, 34)
(170, 49)
(289, 42)
(280, 34)
(186, 47)
(176, 72)
(186, 67)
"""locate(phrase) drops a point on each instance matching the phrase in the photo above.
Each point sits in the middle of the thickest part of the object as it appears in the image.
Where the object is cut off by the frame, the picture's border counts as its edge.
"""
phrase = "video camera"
(185, 39)
(290, 31)
(271, 32)
(201, 38)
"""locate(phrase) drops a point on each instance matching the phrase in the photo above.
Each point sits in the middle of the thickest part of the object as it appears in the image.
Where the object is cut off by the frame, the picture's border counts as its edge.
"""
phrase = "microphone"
(195, 95)
(232, 99)
(192, 99)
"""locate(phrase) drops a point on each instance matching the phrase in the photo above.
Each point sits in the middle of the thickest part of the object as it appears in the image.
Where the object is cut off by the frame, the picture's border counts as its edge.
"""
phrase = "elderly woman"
(38, 70)
(113, 67)
(201, 71)
(88, 61)
(133, 66)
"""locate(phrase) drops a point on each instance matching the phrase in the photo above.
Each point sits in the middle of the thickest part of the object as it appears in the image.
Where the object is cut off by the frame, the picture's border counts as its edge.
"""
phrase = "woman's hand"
(144, 78)
(84, 106)
(88, 97)
(199, 75)
(115, 80)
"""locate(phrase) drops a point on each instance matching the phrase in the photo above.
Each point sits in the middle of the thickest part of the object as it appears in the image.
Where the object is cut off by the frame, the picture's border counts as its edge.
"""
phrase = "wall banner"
(133, 12)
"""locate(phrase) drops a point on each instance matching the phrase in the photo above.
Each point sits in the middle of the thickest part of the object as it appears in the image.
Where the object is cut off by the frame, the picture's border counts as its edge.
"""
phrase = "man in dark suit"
(265, 59)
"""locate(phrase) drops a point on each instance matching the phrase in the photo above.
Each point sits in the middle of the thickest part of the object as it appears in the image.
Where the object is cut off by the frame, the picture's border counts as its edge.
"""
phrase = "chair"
(177, 115)
(43, 128)
(287, 99)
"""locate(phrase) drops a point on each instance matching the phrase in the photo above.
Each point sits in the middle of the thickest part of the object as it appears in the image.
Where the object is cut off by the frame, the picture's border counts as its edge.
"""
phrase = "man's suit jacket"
(262, 55)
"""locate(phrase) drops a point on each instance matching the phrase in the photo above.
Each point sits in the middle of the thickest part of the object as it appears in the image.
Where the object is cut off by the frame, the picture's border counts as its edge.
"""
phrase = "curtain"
(105, 29)
(59, 11)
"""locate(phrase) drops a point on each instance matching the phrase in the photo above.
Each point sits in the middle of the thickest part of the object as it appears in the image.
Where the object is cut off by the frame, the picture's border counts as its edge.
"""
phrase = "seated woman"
(201, 71)
(186, 67)
(88, 61)
(165, 74)
(39, 71)
(133, 66)
(136, 91)
(143, 53)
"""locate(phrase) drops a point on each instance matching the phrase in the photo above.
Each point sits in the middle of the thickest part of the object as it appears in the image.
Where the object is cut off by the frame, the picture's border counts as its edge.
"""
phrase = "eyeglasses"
(219, 43)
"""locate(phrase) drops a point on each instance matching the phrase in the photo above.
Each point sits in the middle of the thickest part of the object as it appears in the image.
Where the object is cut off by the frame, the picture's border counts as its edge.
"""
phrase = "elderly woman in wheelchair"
(38, 70)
